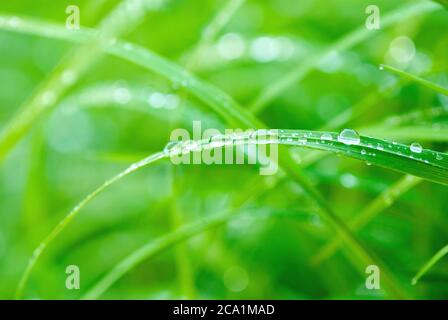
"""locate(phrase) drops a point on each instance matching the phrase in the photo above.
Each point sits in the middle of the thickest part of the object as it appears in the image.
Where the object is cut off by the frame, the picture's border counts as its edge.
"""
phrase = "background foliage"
(111, 117)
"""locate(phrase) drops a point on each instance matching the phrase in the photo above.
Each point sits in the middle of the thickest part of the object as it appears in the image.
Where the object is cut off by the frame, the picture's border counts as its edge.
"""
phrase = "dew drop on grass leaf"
(326, 136)
(416, 147)
(349, 137)
(439, 156)
(171, 147)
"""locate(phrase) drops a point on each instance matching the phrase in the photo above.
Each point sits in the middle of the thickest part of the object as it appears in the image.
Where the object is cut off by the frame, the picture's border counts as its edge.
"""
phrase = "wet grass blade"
(436, 258)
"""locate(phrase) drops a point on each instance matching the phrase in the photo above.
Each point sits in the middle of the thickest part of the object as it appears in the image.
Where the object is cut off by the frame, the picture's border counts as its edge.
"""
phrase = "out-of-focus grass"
(60, 159)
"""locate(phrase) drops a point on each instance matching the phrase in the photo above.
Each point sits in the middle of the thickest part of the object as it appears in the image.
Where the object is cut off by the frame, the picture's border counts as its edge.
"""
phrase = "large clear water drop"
(349, 137)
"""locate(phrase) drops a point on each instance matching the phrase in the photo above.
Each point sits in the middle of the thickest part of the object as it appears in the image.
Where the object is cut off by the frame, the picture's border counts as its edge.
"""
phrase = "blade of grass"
(431, 85)
(409, 133)
(431, 262)
(346, 42)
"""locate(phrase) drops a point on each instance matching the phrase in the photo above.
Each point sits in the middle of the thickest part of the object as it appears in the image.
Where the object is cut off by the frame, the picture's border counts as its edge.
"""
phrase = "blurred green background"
(111, 118)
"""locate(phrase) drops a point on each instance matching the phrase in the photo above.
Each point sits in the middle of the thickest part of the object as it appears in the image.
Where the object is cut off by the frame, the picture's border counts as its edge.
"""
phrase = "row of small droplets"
(261, 136)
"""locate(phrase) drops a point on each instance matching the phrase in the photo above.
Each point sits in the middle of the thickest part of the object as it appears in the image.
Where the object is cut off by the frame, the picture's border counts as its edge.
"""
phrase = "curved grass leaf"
(428, 164)
(431, 85)
(436, 258)
(410, 132)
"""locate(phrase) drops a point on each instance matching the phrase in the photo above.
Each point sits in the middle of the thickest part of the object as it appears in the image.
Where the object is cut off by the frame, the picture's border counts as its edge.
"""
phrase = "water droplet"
(439, 156)
(172, 147)
(216, 141)
(326, 136)
(302, 140)
(381, 67)
(368, 163)
(363, 152)
(191, 145)
(68, 77)
(380, 147)
(349, 137)
(416, 147)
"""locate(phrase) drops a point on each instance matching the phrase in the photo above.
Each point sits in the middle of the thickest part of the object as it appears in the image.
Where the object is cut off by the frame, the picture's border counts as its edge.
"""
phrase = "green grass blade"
(409, 133)
(436, 258)
(431, 85)
(346, 42)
